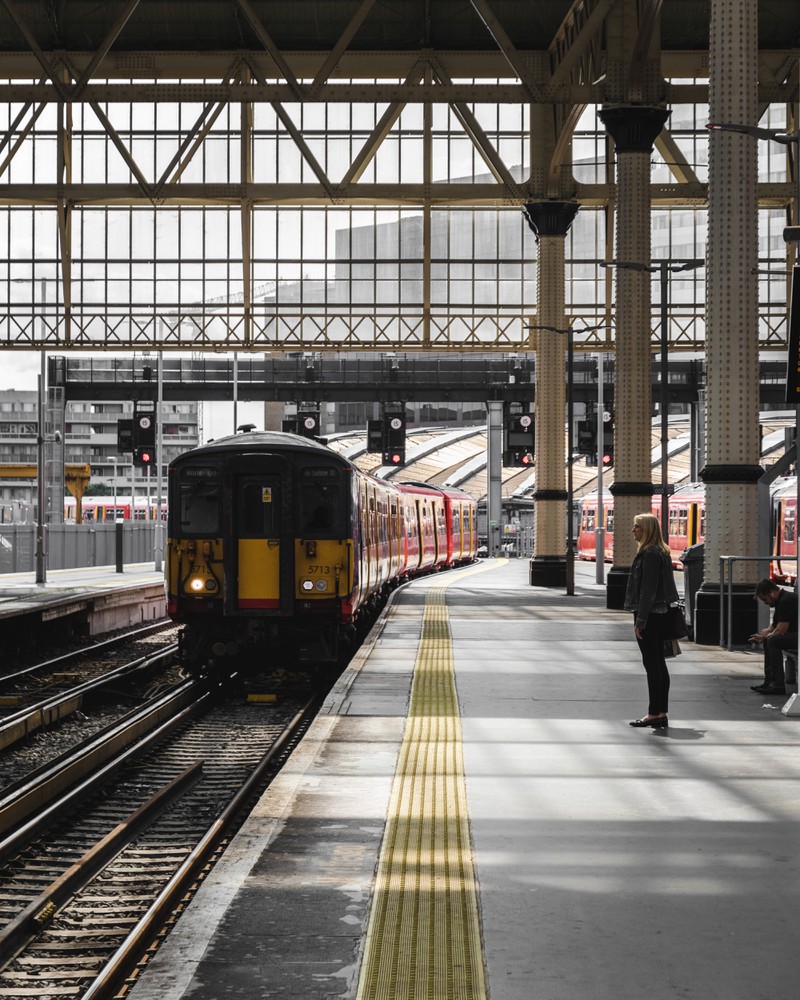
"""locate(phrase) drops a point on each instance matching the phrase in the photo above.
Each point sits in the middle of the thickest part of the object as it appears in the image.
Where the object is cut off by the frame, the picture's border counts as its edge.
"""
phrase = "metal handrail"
(730, 560)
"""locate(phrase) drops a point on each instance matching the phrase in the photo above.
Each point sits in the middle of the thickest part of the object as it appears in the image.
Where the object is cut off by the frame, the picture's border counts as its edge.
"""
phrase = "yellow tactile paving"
(423, 940)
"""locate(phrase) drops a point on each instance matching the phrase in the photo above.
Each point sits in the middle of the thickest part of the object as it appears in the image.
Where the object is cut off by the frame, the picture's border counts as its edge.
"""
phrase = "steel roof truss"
(679, 166)
(336, 53)
(271, 47)
(573, 46)
(383, 127)
(194, 137)
(23, 134)
(42, 59)
(480, 140)
(105, 45)
(298, 139)
(506, 46)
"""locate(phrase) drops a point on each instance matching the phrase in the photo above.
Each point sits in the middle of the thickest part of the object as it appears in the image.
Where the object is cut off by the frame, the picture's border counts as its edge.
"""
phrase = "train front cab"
(261, 555)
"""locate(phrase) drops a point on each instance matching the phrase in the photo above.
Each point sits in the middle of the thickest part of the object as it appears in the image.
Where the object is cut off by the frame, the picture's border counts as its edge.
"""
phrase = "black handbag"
(671, 648)
(676, 623)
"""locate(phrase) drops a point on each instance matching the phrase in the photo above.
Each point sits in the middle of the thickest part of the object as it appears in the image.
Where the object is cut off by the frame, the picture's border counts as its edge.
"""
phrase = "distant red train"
(687, 525)
(687, 521)
(109, 508)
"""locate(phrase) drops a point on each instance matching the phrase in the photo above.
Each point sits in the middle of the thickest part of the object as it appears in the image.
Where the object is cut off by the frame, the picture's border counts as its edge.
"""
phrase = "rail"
(726, 592)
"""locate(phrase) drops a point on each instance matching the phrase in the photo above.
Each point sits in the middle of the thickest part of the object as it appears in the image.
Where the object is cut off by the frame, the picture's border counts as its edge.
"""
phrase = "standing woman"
(651, 591)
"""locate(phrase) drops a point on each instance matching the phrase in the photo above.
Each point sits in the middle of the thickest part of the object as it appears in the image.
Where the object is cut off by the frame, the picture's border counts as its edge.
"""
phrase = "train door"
(262, 538)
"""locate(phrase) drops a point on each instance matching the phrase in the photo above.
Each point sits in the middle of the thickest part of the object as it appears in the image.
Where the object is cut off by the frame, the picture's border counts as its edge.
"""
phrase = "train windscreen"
(319, 507)
(199, 502)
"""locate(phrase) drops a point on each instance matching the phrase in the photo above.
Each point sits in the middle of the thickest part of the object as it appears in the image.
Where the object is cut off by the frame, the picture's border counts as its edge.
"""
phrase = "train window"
(258, 502)
(319, 506)
(199, 508)
(610, 522)
(788, 524)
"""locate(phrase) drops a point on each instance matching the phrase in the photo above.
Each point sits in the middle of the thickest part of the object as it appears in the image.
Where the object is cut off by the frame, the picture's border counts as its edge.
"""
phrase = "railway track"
(86, 884)
(102, 688)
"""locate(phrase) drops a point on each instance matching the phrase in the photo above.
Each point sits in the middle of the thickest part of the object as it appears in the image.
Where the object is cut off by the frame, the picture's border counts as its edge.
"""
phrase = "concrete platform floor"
(613, 863)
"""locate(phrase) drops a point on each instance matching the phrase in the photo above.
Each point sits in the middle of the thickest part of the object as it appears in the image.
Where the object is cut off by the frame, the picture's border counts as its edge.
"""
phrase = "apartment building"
(89, 437)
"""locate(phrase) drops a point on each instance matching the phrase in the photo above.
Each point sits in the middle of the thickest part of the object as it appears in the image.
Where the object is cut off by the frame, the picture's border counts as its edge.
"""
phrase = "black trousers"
(774, 645)
(652, 648)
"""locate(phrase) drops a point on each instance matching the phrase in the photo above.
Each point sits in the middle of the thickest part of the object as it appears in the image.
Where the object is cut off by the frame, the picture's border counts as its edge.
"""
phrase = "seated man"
(780, 635)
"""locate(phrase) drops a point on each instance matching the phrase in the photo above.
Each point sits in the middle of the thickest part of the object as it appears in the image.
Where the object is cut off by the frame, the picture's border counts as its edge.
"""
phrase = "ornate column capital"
(622, 489)
(731, 473)
(633, 128)
(550, 218)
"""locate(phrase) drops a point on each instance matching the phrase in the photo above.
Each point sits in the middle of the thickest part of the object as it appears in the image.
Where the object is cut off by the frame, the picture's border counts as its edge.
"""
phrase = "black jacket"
(651, 585)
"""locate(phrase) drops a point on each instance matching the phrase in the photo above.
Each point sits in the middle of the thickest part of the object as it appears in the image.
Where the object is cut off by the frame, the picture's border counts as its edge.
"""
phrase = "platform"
(522, 842)
(95, 598)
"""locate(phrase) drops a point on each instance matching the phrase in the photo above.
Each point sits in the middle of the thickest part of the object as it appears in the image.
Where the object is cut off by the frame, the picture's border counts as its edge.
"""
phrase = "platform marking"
(423, 940)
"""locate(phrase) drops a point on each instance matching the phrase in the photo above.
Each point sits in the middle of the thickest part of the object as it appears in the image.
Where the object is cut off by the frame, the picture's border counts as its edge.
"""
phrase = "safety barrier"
(726, 588)
(77, 546)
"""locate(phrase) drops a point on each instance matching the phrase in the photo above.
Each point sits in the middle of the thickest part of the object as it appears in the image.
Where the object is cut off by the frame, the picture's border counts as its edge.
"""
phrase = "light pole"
(785, 139)
(570, 561)
(41, 441)
(665, 268)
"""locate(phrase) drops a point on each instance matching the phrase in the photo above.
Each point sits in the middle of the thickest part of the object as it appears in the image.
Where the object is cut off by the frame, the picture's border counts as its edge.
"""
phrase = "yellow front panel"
(259, 573)
(326, 564)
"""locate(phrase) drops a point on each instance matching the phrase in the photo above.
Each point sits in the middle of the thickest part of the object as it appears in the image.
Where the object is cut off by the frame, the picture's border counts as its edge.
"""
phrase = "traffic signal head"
(144, 457)
(518, 457)
(608, 441)
(143, 427)
(394, 456)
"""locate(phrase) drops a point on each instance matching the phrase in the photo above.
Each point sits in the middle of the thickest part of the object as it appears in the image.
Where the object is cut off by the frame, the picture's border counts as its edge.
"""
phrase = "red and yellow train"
(279, 544)
(687, 525)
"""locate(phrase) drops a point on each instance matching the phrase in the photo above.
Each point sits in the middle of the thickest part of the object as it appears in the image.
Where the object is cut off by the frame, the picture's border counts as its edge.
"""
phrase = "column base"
(548, 571)
(616, 587)
(744, 612)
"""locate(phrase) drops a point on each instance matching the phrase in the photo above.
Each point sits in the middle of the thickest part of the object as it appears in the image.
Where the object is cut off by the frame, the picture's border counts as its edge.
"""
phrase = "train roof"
(262, 441)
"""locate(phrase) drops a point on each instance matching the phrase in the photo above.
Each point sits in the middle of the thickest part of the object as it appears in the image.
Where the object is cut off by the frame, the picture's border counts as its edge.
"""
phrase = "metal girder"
(481, 141)
(515, 58)
(336, 53)
(465, 195)
(359, 92)
(271, 47)
(679, 166)
(382, 128)
(571, 49)
(116, 29)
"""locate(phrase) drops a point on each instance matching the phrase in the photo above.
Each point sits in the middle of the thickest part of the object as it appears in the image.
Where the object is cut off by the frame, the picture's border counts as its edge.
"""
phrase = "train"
(109, 508)
(278, 545)
(687, 525)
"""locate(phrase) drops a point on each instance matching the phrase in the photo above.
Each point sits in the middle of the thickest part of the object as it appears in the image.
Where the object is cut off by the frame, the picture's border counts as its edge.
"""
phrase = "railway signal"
(393, 437)
(143, 457)
(519, 456)
(396, 456)
(143, 426)
(519, 440)
(608, 439)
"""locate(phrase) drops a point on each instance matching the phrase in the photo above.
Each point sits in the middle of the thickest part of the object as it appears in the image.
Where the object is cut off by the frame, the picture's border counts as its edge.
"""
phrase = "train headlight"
(211, 584)
(321, 585)
(196, 584)
(307, 584)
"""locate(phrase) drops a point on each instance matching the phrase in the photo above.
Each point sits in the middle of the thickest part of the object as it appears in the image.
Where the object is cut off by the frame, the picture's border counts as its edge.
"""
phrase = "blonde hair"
(651, 533)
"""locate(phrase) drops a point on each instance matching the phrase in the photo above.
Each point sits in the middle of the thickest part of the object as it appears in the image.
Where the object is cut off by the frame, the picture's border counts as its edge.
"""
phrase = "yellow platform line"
(423, 938)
